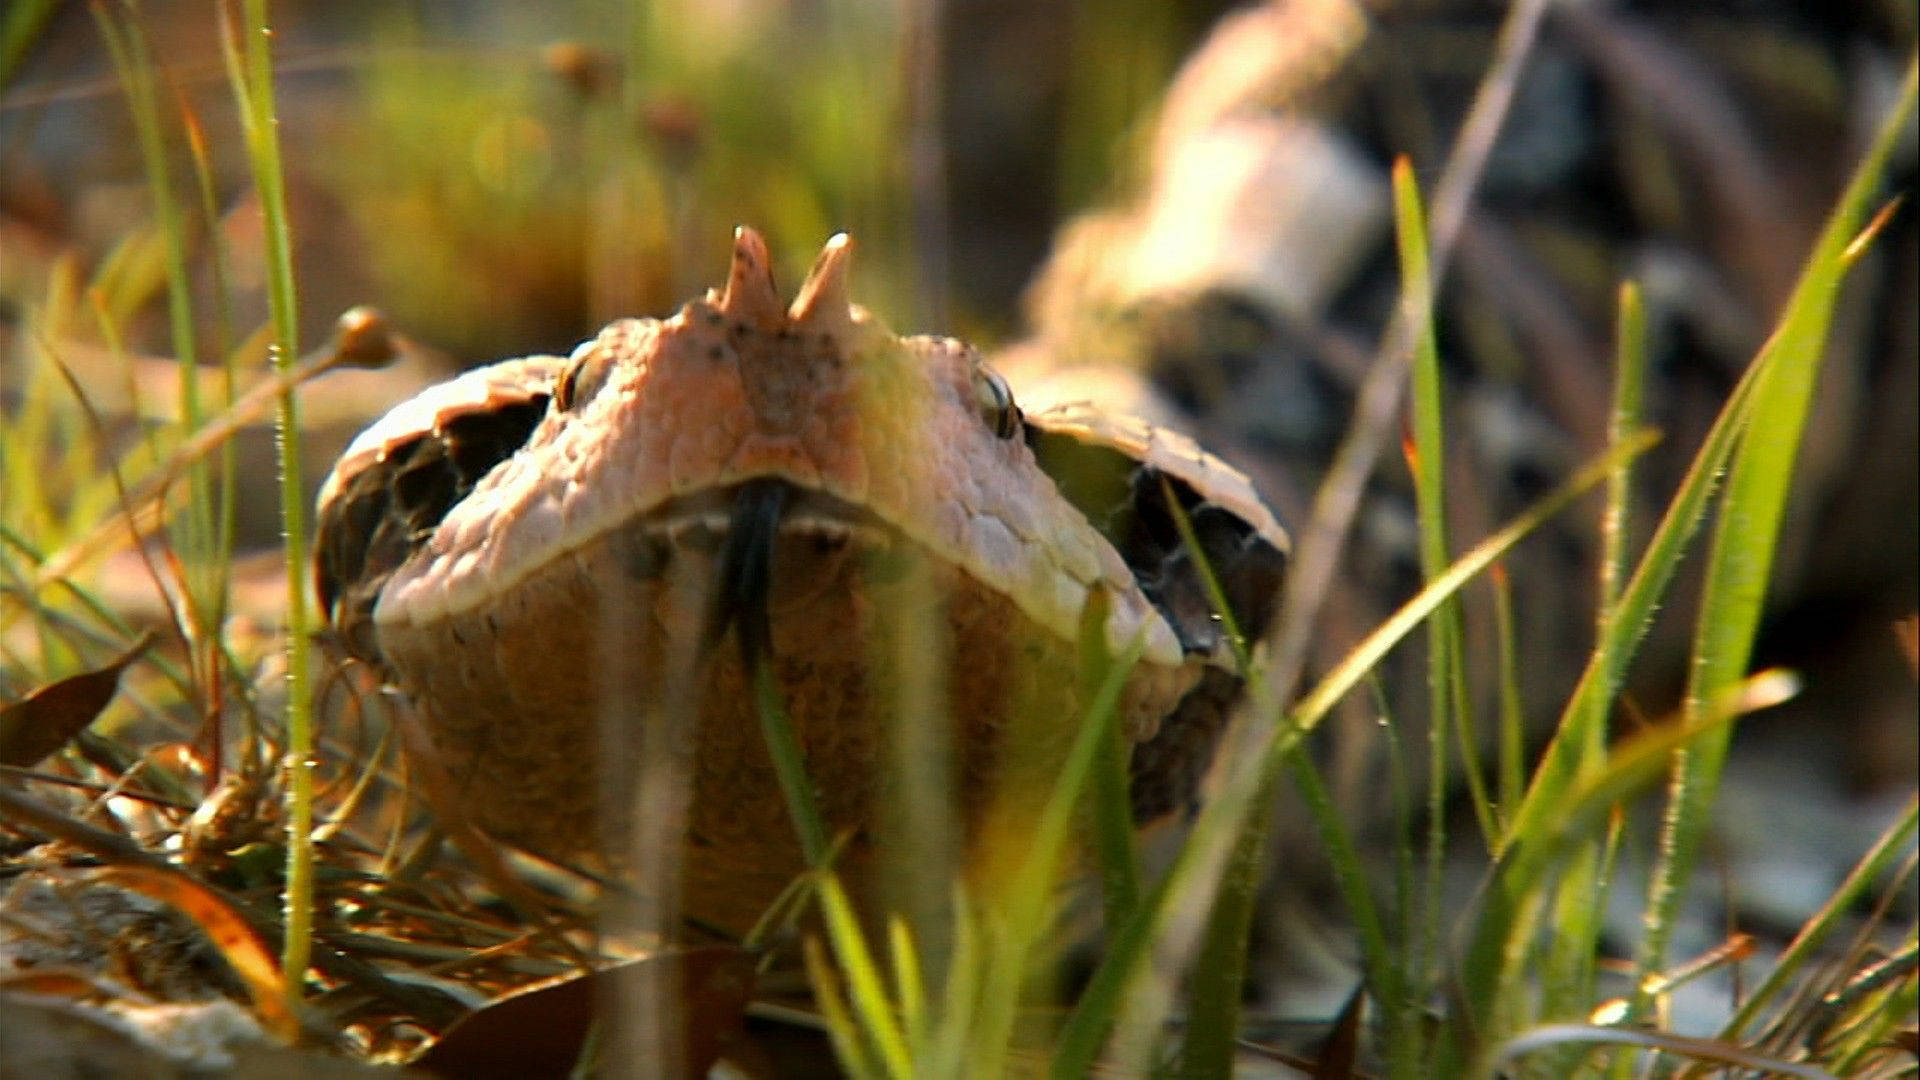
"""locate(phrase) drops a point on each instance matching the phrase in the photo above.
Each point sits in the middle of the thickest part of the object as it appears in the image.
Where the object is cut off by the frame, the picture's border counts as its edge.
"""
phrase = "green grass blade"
(20, 23)
(127, 43)
(220, 275)
(1446, 679)
(1112, 810)
(1078, 1047)
(1345, 675)
(1629, 381)
(1209, 581)
(1504, 929)
(1214, 1010)
(908, 982)
(842, 1030)
(1578, 909)
(1880, 1002)
(1600, 681)
(1570, 951)
(1740, 560)
(1805, 945)
(1513, 733)
(1027, 908)
(1222, 818)
(789, 767)
(959, 1005)
(865, 989)
(198, 533)
(249, 57)
(1384, 972)
(1219, 976)
(919, 810)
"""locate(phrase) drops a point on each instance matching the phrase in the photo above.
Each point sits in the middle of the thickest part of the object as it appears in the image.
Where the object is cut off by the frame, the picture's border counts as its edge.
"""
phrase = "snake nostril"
(643, 555)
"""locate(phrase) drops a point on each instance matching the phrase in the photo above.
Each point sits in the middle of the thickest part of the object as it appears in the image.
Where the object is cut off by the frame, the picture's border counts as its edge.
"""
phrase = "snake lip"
(705, 519)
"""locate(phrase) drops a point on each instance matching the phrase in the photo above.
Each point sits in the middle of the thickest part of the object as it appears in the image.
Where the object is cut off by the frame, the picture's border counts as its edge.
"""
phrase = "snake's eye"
(995, 402)
(581, 380)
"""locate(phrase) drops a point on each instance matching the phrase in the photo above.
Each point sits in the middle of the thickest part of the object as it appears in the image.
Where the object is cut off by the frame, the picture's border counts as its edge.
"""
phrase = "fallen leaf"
(541, 1030)
(43, 721)
(230, 933)
(1339, 1056)
(57, 983)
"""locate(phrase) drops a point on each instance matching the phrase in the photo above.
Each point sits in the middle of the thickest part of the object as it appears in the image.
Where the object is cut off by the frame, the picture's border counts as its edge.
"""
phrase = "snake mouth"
(749, 527)
(709, 520)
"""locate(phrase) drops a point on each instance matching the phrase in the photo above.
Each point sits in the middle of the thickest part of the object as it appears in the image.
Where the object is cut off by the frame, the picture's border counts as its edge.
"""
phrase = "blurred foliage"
(588, 182)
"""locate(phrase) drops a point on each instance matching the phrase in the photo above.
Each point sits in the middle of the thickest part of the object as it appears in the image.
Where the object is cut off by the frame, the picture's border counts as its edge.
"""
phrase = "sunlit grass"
(246, 40)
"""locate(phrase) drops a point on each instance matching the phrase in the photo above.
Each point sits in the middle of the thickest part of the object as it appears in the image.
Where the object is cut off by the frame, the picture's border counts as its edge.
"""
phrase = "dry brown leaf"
(58, 983)
(43, 721)
(230, 933)
(1338, 1058)
(540, 1031)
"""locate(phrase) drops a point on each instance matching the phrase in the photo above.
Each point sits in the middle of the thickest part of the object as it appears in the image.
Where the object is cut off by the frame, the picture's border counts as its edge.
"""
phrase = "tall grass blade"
(1446, 677)
(1740, 560)
(198, 533)
(1600, 680)
(1629, 381)
(1220, 973)
(959, 1005)
(1384, 966)
(865, 989)
(1345, 675)
(842, 1029)
(908, 983)
(789, 766)
(1513, 722)
(1503, 930)
(1570, 951)
(919, 805)
(20, 23)
(1805, 945)
(246, 45)
(1876, 1004)
(1026, 913)
(1579, 908)
(220, 273)
(1112, 811)
(1222, 818)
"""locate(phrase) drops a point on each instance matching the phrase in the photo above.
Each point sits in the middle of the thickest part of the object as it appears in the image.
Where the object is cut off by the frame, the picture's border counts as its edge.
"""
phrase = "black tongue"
(746, 569)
